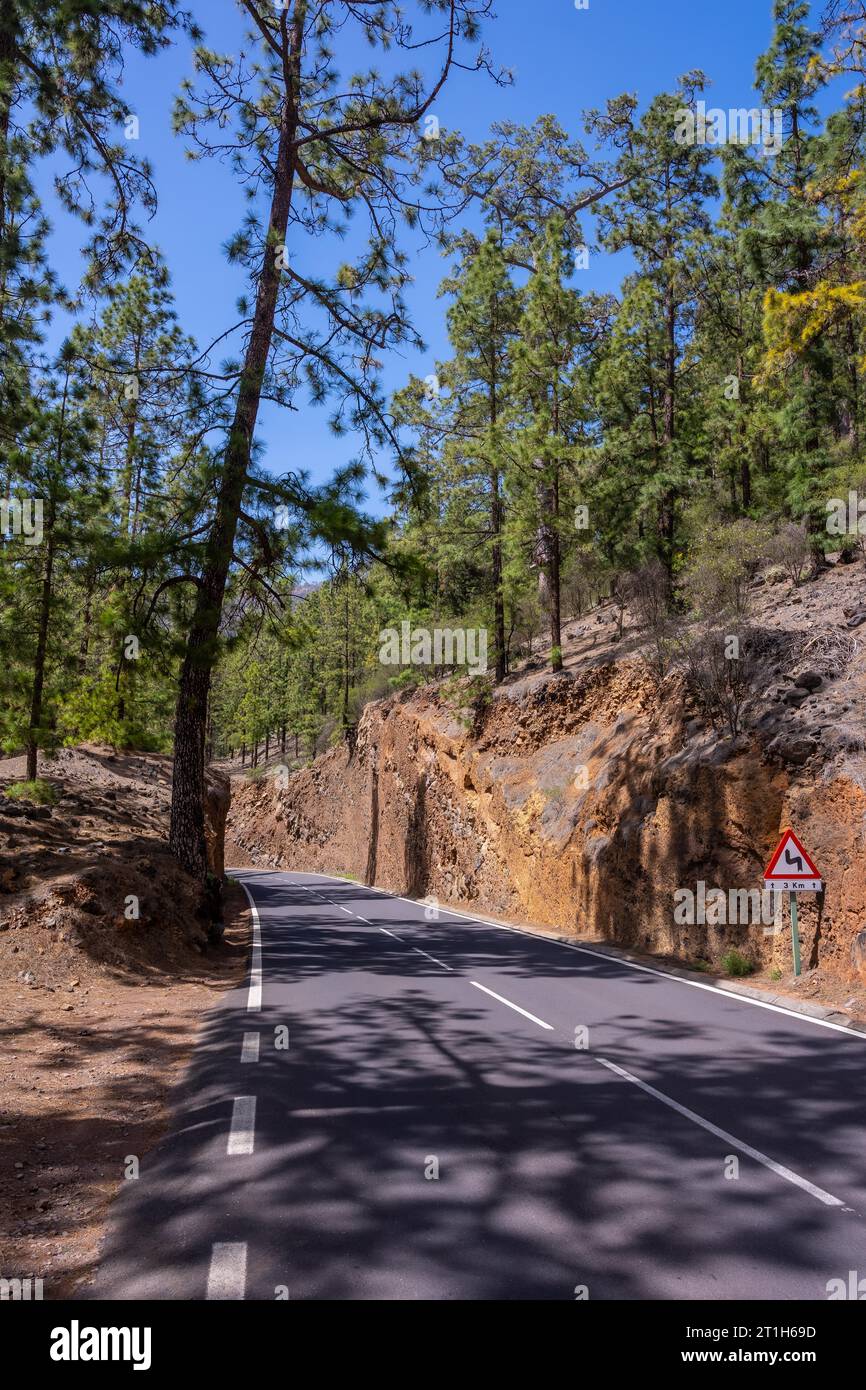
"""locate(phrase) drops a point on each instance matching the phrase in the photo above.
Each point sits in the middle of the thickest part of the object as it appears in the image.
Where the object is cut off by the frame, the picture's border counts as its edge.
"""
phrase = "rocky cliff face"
(590, 801)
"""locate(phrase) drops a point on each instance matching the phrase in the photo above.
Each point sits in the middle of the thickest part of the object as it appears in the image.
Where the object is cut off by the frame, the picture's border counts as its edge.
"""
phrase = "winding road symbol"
(794, 859)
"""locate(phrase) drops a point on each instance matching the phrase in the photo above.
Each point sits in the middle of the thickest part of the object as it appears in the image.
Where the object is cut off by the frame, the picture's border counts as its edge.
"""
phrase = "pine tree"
(482, 323)
(770, 190)
(317, 156)
(63, 480)
(658, 215)
(551, 413)
(61, 72)
(457, 415)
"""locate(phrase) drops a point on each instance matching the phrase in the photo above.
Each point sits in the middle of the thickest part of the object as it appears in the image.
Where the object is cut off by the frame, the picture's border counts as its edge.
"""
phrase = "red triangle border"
(774, 858)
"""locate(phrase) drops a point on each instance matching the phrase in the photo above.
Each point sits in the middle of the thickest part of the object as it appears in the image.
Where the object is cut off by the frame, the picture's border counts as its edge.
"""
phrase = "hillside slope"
(99, 1009)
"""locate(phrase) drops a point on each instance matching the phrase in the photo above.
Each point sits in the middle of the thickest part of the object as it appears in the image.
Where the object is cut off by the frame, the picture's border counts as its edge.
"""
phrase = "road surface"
(398, 1108)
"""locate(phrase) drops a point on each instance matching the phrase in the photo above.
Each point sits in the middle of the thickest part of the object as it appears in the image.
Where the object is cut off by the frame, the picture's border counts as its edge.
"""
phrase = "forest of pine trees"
(166, 587)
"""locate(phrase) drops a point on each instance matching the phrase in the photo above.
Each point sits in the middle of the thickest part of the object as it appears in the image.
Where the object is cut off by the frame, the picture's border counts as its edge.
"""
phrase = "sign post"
(791, 869)
(795, 932)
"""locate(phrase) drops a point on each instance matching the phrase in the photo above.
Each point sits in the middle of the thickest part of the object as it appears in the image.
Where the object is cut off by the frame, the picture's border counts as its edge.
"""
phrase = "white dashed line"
(516, 1007)
(826, 1197)
(418, 951)
(227, 1278)
(254, 994)
(356, 915)
(250, 1048)
(368, 923)
(348, 911)
(242, 1135)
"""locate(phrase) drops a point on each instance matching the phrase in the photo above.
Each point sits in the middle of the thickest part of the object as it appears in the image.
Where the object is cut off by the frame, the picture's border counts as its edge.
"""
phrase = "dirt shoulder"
(85, 1085)
(99, 1010)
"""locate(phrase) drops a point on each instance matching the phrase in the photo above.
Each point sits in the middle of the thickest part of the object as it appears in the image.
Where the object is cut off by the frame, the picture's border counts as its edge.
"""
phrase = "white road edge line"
(227, 1277)
(242, 1135)
(254, 994)
(516, 1007)
(250, 1047)
(826, 1197)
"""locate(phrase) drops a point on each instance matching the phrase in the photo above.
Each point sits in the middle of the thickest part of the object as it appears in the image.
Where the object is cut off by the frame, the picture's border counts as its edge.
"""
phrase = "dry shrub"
(723, 668)
(791, 547)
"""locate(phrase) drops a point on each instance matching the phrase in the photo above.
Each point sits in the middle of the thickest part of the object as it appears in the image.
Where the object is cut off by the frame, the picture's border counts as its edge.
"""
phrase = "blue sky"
(565, 60)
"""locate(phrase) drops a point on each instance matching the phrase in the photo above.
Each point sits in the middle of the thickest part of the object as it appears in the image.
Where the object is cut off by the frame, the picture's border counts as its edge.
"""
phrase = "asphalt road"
(468, 1112)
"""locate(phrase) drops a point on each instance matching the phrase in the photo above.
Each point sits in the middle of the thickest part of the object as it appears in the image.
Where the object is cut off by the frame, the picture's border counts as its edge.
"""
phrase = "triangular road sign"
(792, 868)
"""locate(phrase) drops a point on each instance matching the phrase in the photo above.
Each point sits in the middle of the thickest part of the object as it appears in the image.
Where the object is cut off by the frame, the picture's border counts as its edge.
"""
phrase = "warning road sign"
(791, 869)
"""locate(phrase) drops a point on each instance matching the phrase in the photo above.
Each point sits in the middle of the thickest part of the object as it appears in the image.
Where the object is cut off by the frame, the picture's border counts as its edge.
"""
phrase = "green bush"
(40, 792)
(89, 713)
(407, 679)
(725, 558)
(735, 963)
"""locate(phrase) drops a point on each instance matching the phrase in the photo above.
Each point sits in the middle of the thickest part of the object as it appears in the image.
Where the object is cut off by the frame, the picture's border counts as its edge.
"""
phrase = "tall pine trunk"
(496, 528)
(46, 594)
(498, 596)
(344, 714)
(38, 687)
(547, 558)
(186, 834)
(667, 502)
(555, 584)
(86, 622)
